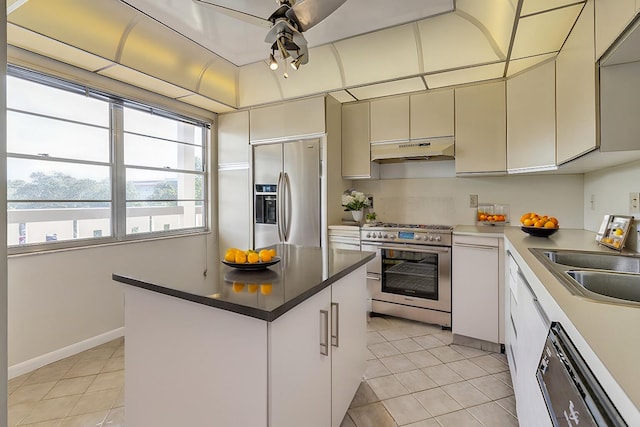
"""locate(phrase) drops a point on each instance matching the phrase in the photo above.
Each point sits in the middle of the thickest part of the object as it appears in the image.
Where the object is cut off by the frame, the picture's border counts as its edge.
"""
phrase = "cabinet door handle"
(324, 332)
(335, 323)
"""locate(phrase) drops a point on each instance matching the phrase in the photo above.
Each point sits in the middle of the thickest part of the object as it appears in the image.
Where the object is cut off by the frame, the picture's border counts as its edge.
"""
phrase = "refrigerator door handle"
(279, 208)
(288, 206)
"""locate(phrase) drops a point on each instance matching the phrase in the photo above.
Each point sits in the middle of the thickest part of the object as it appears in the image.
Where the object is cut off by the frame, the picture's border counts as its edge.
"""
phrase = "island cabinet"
(480, 128)
(531, 120)
(356, 142)
(476, 293)
(612, 17)
(229, 353)
(576, 90)
(527, 326)
(316, 357)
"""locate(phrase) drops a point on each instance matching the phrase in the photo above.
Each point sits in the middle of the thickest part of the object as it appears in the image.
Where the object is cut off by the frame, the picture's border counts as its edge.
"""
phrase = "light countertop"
(611, 331)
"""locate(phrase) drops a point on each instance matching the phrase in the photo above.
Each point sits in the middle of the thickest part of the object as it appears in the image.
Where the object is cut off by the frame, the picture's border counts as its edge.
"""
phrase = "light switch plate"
(634, 202)
(473, 200)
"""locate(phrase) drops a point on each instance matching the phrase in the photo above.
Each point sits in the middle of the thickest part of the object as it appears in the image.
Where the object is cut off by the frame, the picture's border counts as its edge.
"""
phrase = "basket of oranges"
(250, 259)
(539, 225)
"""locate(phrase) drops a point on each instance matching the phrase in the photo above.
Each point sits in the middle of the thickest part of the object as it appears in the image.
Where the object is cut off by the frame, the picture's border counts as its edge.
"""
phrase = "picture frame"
(614, 231)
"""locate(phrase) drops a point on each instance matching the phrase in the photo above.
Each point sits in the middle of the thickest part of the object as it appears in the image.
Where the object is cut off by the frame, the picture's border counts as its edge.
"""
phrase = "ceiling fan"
(286, 25)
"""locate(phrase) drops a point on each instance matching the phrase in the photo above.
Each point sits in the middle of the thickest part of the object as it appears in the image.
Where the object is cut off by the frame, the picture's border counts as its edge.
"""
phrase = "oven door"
(417, 275)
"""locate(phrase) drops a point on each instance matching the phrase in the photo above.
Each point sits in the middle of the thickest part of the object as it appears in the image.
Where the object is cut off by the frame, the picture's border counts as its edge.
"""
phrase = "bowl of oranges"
(250, 259)
(539, 225)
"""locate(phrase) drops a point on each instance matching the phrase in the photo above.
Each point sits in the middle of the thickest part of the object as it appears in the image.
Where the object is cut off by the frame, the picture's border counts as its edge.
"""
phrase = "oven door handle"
(423, 249)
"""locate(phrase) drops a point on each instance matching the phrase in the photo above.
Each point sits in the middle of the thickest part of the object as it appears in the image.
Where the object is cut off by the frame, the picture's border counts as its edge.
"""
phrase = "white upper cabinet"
(294, 118)
(612, 17)
(356, 147)
(390, 119)
(431, 114)
(480, 129)
(576, 90)
(233, 138)
(619, 106)
(531, 119)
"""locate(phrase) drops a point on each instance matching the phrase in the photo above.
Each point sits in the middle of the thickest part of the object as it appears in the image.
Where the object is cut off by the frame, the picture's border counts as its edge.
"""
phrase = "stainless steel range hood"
(419, 149)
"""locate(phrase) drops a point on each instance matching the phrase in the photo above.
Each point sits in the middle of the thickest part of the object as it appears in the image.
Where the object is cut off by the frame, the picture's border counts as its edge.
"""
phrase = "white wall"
(438, 197)
(611, 187)
(59, 299)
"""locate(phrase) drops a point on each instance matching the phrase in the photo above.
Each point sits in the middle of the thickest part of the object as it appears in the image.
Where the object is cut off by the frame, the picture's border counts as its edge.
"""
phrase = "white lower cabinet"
(527, 326)
(317, 356)
(299, 374)
(475, 287)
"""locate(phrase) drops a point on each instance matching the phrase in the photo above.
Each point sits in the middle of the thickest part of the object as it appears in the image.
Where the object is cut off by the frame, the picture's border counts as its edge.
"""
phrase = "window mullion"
(119, 179)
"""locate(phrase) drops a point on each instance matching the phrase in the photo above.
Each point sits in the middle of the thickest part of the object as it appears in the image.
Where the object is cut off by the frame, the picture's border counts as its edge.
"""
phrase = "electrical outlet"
(473, 200)
(593, 202)
(634, 202)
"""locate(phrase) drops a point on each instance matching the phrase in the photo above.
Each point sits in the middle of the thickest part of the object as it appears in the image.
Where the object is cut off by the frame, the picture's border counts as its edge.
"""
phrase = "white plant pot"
(357, 215)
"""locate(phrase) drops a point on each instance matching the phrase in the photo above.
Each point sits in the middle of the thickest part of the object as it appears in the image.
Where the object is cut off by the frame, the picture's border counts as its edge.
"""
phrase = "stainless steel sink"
(597, 261)
(605, 277)
(615, 285)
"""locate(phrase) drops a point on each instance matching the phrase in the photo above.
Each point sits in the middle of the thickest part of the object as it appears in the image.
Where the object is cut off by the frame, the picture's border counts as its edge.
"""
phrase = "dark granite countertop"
(264, 294)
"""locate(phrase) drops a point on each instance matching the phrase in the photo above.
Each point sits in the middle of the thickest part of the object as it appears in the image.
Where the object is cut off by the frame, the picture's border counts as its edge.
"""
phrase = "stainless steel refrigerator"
(287, 196)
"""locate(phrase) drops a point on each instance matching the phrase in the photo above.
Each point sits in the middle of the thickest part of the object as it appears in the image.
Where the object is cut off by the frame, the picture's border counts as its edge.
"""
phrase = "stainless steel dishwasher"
(574, 397)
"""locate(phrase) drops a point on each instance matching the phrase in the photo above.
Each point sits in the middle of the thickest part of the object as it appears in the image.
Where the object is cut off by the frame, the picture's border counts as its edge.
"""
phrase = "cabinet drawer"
(476, 241)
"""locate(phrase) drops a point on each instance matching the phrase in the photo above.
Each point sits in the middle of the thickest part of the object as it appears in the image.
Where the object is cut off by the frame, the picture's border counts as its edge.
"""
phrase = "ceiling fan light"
(273, 64)
(282, 49)
(296, 63)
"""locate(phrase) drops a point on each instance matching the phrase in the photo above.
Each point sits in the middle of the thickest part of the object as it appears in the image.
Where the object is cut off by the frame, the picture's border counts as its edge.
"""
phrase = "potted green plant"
(371, 217)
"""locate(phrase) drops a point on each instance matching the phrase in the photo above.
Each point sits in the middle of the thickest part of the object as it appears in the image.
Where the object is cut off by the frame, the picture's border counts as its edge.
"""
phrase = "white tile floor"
(415, 377)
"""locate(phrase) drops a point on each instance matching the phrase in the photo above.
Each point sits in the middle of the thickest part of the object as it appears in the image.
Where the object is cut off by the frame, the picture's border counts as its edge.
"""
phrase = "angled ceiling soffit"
(494, 18)
(321, 74)
(544, 32)
(145, 81)
(37, 43)
(93, 26)
(342, 96)
(258, 85)
(464, 44)
(518, 65)
(379, 56)
(206, 103)
(535, 6)
(395, 87)
(152, 48)
(465, 75)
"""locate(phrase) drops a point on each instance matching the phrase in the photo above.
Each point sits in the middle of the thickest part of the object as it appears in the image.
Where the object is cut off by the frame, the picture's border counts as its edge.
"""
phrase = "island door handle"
(335, 323)
(324, 332)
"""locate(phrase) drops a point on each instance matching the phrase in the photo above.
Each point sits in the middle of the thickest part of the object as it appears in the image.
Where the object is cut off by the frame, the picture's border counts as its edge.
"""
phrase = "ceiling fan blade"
(247, 17)
(308, 13)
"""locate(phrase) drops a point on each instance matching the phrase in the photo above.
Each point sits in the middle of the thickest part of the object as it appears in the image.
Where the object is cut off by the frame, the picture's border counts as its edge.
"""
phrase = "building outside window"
(85, 167)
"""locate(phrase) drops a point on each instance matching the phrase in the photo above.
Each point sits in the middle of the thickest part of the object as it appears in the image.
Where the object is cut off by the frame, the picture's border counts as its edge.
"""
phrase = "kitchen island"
(284, 346)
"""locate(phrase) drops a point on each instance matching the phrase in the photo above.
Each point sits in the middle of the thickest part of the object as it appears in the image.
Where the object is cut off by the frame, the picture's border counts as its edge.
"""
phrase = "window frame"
(118, 201)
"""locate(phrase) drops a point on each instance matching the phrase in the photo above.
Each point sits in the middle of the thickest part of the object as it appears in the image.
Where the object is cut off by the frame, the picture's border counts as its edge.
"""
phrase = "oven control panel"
(425, 238)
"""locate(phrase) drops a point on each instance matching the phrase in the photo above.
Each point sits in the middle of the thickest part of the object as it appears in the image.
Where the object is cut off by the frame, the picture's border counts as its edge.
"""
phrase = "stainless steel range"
(411, 275)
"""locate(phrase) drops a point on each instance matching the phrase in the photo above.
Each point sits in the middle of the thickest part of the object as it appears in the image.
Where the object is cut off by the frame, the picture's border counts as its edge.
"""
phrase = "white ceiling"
(242, 43)
(365, 49)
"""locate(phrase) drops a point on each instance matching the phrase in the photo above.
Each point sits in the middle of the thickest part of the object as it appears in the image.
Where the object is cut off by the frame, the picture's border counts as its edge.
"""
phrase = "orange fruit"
(252, 288)
(241, 257)
(539, 224)
(554, 220)
(549, 224)
(272, 252)
(527, 222)
(525, 216)
(266, 288)
(230, 255)
(252, 258)
(238, 287)
(482, 217)
(265, 255)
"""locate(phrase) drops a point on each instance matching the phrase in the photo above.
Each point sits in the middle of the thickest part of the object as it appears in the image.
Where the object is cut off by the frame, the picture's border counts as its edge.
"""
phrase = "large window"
(85, 165)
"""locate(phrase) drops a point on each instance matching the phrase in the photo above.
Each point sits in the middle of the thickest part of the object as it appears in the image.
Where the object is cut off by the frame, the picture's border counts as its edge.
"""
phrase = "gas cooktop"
(419, 226)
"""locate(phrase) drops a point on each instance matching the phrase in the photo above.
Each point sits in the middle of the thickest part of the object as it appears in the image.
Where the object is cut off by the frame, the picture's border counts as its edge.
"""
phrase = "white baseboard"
(40, 361)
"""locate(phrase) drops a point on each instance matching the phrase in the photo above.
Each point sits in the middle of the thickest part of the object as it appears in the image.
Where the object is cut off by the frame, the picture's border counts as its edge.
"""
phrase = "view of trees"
(60, 186)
